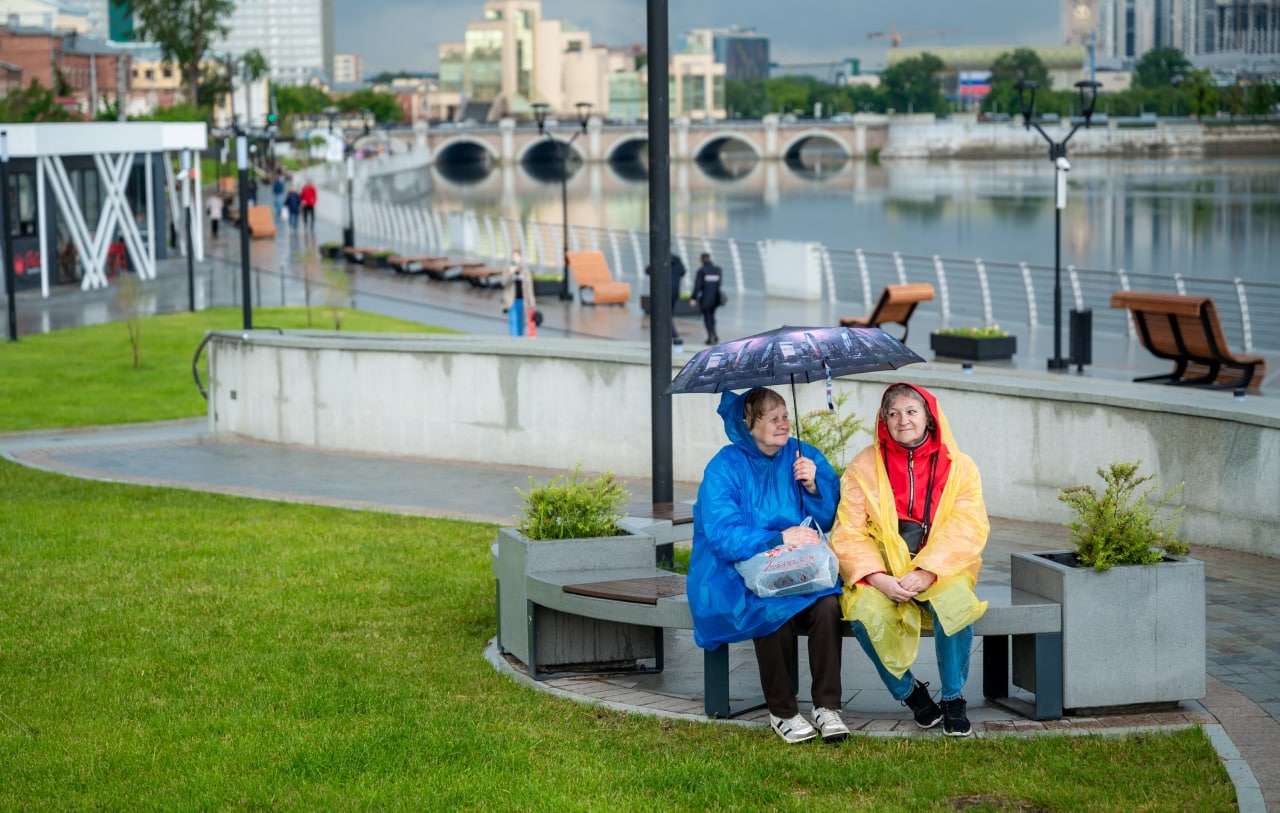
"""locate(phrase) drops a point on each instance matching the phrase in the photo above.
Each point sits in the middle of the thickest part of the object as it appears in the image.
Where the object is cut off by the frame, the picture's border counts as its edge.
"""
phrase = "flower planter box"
(567, 642)
(1133, 635)
(969, 348)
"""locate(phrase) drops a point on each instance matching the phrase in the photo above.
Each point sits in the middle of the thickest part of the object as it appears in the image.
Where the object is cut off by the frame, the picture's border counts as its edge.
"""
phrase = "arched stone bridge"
(509, 143)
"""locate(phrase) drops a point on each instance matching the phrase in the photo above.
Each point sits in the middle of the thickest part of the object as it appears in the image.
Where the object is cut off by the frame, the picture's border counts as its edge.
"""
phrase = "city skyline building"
(347, 69)
(514, 58)
(295, 36)
(743, 52)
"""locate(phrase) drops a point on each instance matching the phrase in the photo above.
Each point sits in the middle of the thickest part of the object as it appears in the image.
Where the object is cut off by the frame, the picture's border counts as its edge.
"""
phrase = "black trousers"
(821, 622)
(709, 319)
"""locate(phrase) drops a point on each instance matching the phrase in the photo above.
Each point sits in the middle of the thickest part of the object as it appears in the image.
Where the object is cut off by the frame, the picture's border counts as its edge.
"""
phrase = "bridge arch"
(628, 157)
(465, 160)
(798, 141)
(708, 148)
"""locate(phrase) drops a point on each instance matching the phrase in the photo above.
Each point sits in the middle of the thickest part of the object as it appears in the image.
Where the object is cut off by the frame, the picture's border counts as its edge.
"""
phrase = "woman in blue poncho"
(755, 494)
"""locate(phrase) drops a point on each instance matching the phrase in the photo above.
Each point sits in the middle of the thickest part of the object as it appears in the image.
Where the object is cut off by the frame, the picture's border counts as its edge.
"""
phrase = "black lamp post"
(348, 158)
(6, 236)
(540, 111)
(242, 168)
(1058, 156)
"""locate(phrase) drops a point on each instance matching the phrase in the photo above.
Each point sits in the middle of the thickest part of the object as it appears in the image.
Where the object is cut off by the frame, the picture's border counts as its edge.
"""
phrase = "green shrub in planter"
(1123, 525)
(573, 508)
(832, 431)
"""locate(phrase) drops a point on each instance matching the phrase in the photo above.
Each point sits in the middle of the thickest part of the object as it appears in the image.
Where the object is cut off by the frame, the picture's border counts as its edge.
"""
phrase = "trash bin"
(1081, 338)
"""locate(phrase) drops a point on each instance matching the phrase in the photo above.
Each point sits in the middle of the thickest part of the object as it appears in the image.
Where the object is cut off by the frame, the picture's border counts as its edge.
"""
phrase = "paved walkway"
(1241, 711)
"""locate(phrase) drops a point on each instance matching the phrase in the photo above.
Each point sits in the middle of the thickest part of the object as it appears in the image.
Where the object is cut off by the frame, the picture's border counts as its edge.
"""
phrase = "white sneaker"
(793, 730)
(830, 725)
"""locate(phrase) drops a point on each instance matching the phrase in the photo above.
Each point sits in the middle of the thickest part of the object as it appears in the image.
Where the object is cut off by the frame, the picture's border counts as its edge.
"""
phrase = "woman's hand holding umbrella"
(806, 472)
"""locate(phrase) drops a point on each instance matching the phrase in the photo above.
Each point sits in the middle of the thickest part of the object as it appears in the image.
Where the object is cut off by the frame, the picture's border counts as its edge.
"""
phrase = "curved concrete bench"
(1033, 623)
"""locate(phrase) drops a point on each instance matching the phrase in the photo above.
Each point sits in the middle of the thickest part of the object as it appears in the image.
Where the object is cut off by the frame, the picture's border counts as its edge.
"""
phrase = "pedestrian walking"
(213, 208)
(677, 274)
(517, 295)
(277, 196)
(707, 295)
(307, 197)
(292, 204)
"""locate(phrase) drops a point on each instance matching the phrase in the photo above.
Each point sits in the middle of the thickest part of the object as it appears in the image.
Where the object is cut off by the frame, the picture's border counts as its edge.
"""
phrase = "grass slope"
(86, 377)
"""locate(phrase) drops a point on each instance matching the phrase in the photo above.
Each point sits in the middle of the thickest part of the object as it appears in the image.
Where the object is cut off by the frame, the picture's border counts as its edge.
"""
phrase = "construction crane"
(895, 36)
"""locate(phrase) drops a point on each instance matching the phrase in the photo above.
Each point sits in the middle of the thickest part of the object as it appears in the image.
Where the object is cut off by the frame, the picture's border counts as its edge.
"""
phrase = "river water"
(1206, 218)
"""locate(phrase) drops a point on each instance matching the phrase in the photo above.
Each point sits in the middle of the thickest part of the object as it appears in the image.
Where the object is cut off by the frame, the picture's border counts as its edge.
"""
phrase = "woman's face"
(906, 420)
(771, 430)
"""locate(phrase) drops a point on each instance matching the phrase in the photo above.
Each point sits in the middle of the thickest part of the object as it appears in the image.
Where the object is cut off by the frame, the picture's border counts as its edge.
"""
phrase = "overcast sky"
(404, 34)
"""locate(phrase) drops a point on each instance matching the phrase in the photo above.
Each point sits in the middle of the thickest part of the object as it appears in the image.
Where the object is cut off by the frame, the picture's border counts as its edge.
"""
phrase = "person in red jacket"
(307, 197)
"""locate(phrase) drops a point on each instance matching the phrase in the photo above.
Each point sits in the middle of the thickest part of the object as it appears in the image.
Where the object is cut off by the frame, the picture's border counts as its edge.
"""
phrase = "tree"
(184, 30)
(1018, 64)
(302, 99)
(912, 84)
(1158, 66)
(35, 102)
(1010, 68)
(215, 81)
(384, 106)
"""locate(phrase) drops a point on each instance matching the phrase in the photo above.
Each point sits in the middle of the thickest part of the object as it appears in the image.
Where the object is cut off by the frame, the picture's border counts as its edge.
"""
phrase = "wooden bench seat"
(896, 305)
(447, 268)
(356, 254)
(483, 276)
(260, 222)
(596, 285)
(412, 263)
(656, 598)
(1186, 330)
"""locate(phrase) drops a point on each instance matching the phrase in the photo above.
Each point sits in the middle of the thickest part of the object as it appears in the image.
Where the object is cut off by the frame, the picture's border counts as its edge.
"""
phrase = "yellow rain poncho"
(866, 540)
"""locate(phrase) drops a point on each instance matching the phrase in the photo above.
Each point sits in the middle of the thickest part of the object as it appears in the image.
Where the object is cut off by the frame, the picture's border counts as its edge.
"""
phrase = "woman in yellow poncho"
(909, 534)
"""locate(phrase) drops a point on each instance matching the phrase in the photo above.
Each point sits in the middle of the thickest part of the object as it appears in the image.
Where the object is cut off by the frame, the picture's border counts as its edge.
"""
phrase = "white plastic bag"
(792, 570)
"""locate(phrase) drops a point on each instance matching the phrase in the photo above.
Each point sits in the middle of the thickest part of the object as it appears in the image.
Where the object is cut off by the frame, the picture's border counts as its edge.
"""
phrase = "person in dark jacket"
(707, 296)
(677, 275)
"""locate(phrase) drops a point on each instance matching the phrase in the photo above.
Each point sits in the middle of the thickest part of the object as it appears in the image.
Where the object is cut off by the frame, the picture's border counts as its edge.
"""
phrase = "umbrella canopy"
(791, 354)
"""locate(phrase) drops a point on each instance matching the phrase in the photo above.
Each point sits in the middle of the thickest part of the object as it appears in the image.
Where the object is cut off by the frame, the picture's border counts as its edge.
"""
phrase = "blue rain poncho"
(745, 502)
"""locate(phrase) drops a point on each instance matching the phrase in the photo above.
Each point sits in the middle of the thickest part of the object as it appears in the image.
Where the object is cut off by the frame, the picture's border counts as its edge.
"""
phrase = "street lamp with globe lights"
(540, 110)
(1058, 157)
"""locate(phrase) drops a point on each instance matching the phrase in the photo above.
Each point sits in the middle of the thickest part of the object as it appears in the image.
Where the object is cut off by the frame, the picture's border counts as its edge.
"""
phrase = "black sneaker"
(955, 723)
(926, 711)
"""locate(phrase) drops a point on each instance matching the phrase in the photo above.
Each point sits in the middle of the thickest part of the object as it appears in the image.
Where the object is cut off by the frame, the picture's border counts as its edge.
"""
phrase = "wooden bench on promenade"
(596, 285)
(483, 276)
(1186, 330)
(896, 305)
(260, 222)
(656, 598)
(411, 263)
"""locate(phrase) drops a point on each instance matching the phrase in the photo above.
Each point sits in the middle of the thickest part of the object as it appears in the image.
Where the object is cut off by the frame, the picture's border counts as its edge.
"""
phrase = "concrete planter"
(1133, 635)
(567, 641)
(969, 348)
(546, 288)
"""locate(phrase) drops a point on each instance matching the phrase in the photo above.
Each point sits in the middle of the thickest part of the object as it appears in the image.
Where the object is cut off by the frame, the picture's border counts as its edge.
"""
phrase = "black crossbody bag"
(915, 533)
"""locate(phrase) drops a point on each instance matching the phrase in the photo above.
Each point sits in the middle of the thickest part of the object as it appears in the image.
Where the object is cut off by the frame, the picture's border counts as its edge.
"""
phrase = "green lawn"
(170, 650)
(86, 377)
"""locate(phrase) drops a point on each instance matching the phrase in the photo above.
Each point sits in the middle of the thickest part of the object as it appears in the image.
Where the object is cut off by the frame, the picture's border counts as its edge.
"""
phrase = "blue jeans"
(515, 318)
(953, 660)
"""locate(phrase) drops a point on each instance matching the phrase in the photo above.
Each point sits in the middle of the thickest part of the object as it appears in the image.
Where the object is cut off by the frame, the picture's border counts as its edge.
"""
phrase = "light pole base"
(1059, 364)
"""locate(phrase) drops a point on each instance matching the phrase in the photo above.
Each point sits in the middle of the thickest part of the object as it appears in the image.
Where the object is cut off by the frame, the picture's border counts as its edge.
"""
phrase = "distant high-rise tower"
(295, 36)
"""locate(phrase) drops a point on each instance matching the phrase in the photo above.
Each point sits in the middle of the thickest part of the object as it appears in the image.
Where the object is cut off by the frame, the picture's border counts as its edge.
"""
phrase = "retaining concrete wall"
(557, 402)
